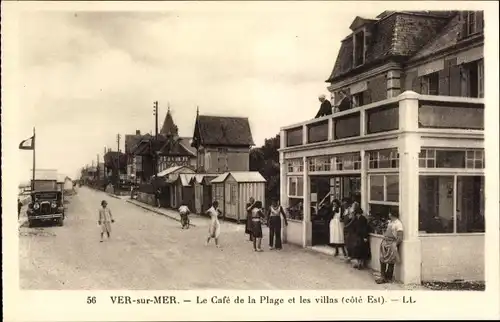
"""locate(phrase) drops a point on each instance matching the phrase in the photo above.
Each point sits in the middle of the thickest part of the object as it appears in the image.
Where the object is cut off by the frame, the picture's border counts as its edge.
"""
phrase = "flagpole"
(34, 161)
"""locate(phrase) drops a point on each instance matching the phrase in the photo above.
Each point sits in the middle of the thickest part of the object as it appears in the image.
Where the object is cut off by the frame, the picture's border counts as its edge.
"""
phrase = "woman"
(248, 223)
(257, 216)
(389, 248)
(275, 212)
(184, 212)
(337, 229)
(105, 219)
(361, 230)
(214, 227)
(348, 218)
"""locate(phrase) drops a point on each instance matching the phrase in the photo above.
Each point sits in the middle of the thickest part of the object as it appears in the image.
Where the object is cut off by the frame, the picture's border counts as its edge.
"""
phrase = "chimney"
(137, 132)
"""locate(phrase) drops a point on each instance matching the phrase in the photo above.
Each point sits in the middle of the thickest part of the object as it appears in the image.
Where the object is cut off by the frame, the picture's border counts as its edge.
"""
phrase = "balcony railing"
(407, 112)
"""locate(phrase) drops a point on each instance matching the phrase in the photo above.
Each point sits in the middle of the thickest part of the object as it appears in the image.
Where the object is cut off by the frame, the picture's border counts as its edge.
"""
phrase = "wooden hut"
(183, 191)
(170, 192)
(202, 191)
(234, 189)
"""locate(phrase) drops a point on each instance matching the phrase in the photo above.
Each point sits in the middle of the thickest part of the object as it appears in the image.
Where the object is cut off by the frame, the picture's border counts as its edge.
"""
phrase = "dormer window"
(359, 48)
(471, 22)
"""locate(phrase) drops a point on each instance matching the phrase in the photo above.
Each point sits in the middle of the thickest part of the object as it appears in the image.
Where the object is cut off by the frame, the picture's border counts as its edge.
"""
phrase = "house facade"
(222, 143)
(411, 141)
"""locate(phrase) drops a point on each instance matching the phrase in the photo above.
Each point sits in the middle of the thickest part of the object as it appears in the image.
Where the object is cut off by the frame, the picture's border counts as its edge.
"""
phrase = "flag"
(28, 144)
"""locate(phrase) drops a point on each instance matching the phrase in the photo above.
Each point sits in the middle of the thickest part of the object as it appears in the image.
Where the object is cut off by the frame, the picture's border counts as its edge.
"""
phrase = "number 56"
(91, 300)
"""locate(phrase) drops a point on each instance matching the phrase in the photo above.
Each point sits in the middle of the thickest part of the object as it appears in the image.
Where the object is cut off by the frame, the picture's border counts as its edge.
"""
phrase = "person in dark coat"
(248, 223)
(19, 206)
(349, 236)
(361, 231)
(325, 108)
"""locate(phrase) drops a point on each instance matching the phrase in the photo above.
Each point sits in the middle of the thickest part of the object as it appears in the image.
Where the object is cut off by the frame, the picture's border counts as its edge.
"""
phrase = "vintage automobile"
(46, 206)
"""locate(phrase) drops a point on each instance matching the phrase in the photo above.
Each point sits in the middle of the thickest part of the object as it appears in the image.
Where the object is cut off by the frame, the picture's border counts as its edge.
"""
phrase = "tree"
(265, 159)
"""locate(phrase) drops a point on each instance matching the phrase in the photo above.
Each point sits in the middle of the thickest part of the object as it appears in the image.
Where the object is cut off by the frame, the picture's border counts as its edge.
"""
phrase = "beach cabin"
(202, 191)
(183, 191)
(170, 191)
(234, 189)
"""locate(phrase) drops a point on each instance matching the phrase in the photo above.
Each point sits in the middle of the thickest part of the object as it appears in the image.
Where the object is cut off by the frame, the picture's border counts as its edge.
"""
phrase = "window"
(384, 188)
(322, 163)
(351, 161)
(430, 84)
(295, 165)
(473, 78)
(359, 48)
(357, 100)
(296, 209)
(463, 159)
(471, 22)
(295, 186)
(383, 159)
(451, 204)
(233, 193)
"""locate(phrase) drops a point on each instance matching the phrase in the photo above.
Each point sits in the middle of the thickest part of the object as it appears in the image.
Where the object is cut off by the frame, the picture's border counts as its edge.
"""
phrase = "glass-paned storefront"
(377, 187)
(383, 159)
(322, 163)
(349, 161)
(451, 204)
(384, 188)
(463, 159)
(295, 165)
(295, 186)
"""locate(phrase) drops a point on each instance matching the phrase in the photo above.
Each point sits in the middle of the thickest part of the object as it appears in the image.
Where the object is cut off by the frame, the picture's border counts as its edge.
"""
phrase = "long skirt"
(389, 251)
(336, 232)
(248, 225)
(106, 227)
(256, 229)
(350, 242)
(361, 249)
(214, 229)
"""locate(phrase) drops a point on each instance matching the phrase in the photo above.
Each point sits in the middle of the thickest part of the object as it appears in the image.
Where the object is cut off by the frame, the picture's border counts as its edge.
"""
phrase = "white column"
(409, 271)
(283, 190)
(306, 222)
(362, 121)
(330, 129)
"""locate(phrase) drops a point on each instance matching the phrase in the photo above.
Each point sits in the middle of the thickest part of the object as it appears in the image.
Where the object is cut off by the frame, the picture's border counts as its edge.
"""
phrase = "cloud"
(86, 76)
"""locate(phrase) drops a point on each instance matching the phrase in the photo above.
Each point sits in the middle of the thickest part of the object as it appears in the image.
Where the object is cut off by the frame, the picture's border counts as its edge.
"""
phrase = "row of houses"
(411, 141)
(212, 164)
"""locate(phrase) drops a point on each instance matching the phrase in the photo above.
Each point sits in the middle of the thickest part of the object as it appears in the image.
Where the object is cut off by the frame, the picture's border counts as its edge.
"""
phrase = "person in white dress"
(337, 229)
(184, 212)
(105, 220)
(214, 227)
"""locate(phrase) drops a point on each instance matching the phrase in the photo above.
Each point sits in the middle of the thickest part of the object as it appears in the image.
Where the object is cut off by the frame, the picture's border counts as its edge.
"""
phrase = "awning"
(431, 67)
(470, 55)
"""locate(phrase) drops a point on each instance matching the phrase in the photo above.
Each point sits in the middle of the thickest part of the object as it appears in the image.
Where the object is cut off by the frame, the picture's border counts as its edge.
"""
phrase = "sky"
(85, 76)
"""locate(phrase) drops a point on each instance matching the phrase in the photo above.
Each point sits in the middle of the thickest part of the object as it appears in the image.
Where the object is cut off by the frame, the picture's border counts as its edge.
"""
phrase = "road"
(149, 251)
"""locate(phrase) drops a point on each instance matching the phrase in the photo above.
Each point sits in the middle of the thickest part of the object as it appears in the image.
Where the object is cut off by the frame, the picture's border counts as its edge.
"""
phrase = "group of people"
(256, 215)
(349, 233)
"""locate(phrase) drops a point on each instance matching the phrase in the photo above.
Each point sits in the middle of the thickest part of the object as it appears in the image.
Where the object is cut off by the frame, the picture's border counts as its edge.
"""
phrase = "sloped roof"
(186, 143)
(174, 146)
(203, 178)
(240, 177)
(396, 35)
(169, 127)
(222, 131)
(131, 140)
(172, 170)
(185, 178)
(447, 38)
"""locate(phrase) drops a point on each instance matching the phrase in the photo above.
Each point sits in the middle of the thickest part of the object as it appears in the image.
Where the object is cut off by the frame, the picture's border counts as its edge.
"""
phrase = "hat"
(322, 96)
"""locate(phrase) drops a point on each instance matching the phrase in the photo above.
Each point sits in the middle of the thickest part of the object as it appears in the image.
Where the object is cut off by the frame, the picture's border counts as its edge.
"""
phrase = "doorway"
(324, 190)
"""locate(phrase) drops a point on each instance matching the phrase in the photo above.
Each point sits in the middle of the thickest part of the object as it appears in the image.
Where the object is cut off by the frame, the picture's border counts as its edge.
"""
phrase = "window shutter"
(480, 21)
(416, 84)
(444, 79)
(463, 25)
(455, 79)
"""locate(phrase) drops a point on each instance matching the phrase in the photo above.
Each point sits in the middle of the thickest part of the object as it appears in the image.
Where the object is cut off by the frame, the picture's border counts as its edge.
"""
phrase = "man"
(157, 197)
(325, 108)
(389, 248)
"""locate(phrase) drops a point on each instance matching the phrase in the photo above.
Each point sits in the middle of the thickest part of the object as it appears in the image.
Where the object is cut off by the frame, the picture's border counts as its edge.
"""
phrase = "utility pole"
(155, 157)
(104, 158)
(118, 137)
(97, 167)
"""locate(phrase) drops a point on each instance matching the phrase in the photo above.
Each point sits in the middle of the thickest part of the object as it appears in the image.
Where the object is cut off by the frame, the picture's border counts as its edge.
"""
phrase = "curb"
(113, 196)
(157, 212)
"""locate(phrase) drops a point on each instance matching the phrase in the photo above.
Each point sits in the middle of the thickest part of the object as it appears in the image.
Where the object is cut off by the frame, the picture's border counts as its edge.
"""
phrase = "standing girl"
(257, 215)
(361, 230)
(184, 212)
(275, 213)
(337, 229)
(105, 219)
(214, 228)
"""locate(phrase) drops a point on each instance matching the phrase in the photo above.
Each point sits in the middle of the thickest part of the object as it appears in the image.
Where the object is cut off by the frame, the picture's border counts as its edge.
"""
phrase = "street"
(148, 251)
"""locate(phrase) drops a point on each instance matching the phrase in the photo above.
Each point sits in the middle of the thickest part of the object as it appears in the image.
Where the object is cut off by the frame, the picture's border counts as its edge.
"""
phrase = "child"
(184, 212)
(105, 220)
(214, 228)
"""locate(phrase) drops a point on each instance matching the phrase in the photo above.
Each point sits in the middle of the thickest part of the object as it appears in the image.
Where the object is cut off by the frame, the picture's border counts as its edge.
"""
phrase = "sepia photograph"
(251, 146)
